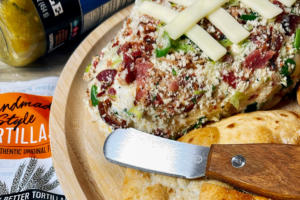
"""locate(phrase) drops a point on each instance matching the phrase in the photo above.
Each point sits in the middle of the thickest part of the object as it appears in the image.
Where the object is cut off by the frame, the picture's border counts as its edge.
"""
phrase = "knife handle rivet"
(238, 161)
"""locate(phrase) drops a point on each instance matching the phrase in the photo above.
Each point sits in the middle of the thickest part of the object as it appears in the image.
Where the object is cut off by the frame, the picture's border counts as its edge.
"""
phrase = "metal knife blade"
(139, 150)
(271, 170)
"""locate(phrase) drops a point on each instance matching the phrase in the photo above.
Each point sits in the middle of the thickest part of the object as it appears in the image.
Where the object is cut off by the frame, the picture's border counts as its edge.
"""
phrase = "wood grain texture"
(271, 170)
(76, 142)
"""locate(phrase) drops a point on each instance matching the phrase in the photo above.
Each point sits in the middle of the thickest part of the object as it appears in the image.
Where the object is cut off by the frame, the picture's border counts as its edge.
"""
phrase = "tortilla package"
(26, 170)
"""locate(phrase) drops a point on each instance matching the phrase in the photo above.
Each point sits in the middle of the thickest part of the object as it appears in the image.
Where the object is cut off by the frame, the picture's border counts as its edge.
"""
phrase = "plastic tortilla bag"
(26, 170)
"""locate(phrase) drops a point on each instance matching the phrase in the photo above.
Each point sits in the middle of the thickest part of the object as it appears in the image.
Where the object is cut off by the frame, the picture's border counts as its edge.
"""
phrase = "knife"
(271, 170)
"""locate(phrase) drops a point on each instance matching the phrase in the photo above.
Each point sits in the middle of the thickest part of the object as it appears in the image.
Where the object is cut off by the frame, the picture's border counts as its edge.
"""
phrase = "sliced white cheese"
(157, 11)
(263, 7)
(234, 31)
(190, 16)
(200, 37)
(206, 43)
(288, 3)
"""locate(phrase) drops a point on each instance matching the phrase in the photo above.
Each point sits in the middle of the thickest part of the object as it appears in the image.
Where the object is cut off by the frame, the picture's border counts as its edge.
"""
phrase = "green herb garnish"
(249, 17)
(174, 72)
(164, 45)
(226, 42)
(297, 39)
(94, 92)
(87, 69)
(285, 71)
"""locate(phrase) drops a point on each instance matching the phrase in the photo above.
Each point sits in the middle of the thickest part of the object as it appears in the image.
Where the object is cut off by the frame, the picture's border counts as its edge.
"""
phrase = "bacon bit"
(253, 97)
(231, 79)
(289, 22)
(131, 70)
(95, 63)
(148, 39)
(103, 108)
(257, 59)
(125, 47)
(107, 77)
(228, 58)
(142, 69)
(127, 32)
(174, 86)
(142, 73)
(161, 133)
(140, 93)
(136, 54)
(158, 100)
(116, 43)
(112, 91)
(128, 21)
(189, 107)
(149, 29)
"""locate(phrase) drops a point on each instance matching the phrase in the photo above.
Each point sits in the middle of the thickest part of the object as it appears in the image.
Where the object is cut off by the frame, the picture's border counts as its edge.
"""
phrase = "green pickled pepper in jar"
(30, 29)
(22, 36)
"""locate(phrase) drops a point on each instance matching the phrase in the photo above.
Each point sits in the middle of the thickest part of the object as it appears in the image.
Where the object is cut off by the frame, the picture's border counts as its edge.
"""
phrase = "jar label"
(64, 20)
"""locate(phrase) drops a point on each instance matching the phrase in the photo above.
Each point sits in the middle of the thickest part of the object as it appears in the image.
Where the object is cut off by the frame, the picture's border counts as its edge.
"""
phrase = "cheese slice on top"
(190, 16)
(198, 35)
(263, 7)
(206, 43)
(157, 11)
(287, 3)
(234, 31)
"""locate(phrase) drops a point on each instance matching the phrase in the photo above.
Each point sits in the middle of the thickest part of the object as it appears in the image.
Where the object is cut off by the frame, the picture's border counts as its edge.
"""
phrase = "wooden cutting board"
(76, 141)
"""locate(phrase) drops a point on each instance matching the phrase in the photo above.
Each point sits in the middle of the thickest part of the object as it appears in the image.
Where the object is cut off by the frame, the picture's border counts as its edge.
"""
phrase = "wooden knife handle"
(271, 170)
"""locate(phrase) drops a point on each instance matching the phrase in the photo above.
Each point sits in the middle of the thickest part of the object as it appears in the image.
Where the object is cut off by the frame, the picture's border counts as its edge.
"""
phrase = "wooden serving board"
(76, 141)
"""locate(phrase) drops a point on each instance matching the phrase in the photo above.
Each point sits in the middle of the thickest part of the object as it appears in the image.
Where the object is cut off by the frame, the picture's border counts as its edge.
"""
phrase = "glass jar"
(22, 36)
(32, 28)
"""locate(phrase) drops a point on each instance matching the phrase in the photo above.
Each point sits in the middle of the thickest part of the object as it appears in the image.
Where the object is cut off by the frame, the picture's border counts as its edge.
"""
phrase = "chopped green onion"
(236, 98)
(199, 92)
(297, 39)
(136, 112)
(184, 47)
(250, 17)
(174, 72)
(116, 60)
(87, 69)
(94, 99)
(164, 45)
(226, 42)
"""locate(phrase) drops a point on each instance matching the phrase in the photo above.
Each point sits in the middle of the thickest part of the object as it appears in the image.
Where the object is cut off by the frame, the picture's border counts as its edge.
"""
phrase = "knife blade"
(272, 170)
